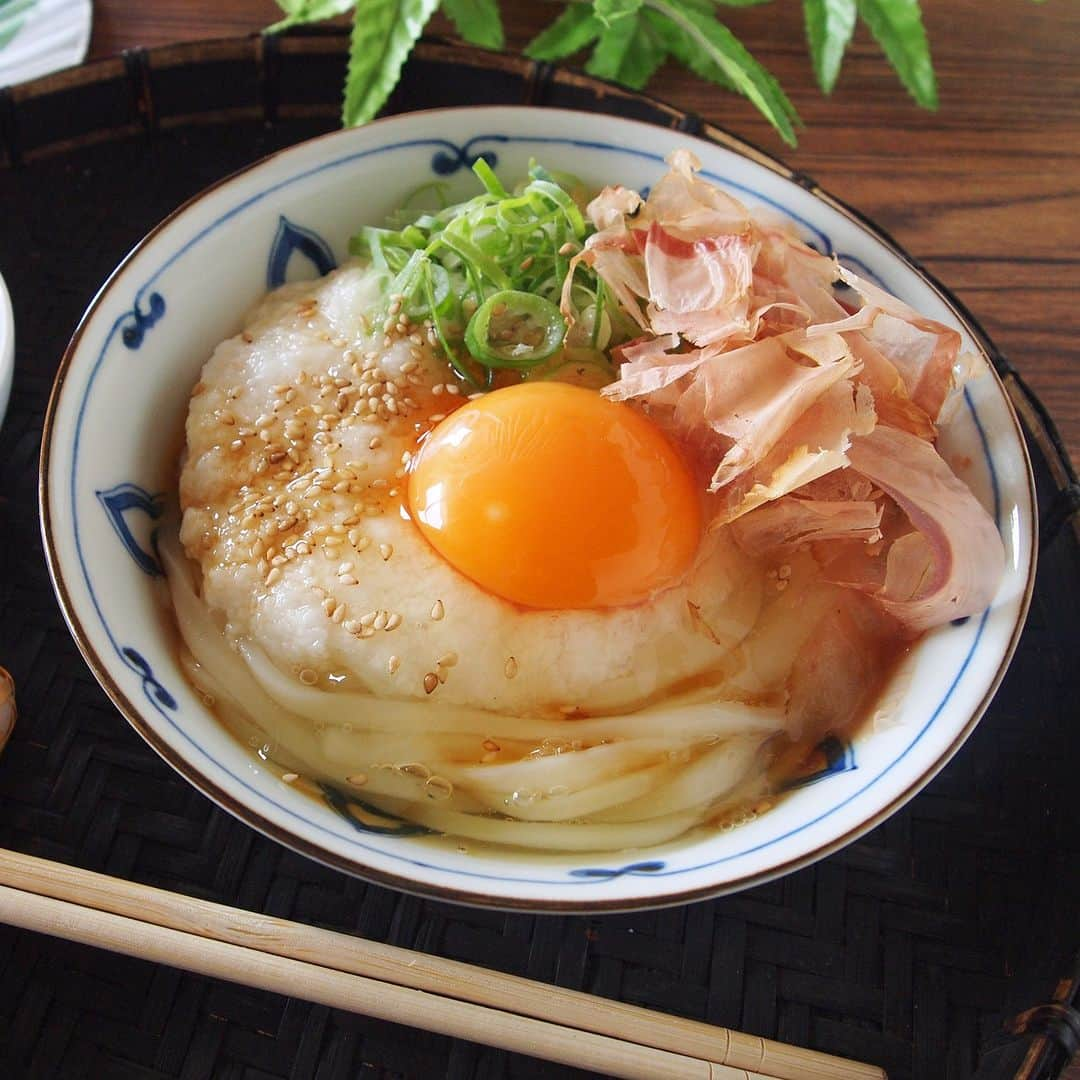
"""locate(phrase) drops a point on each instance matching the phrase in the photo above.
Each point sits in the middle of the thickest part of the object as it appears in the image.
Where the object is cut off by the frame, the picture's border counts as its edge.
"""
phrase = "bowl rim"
(469, 897)
(7, 347)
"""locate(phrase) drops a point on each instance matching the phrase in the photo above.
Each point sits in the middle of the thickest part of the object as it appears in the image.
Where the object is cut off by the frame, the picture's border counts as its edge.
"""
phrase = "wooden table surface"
(984, 192)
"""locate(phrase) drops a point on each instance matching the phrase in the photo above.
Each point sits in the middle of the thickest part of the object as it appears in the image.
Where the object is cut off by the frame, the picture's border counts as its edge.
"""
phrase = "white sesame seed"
(394, 621)
(510, 668)
(381, 620)
(392, 664)
(447, 660)
(357, 779)
(290, 777)
(437, 610)
(386, 550)
(274, 576)
(374, 442)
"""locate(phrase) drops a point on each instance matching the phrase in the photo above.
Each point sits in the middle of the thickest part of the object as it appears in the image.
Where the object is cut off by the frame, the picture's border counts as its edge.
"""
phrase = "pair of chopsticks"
(389, 983)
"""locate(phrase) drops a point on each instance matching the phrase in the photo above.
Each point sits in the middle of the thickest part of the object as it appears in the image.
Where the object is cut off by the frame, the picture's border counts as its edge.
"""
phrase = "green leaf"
(575, 28)
(898, 27)
(829, 25)
(383, 35)
(628, 52)
(477, 21)
(298, 12)
(724, 51)
(686, 52)
(610, 12)
(13, 14)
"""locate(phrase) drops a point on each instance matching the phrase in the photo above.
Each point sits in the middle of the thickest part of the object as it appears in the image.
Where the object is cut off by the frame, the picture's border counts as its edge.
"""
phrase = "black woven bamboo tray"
(907, 949)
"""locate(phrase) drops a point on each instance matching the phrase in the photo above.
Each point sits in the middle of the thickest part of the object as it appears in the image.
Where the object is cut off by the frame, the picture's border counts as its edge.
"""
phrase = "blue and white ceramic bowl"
(7, 347)
(110, 460)
(38, 37)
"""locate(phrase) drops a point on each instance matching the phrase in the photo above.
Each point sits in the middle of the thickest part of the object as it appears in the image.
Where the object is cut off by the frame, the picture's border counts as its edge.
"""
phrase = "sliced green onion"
(451, 356)
(488, 178)
(535, 329)
(598, 314)
(407, 279)
(468, 251)
(580, 367)
(562, 200)
(419, 304)
(499, 256)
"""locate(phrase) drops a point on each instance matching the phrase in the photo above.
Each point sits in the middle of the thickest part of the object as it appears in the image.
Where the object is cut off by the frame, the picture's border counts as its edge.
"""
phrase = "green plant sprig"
(628, 41)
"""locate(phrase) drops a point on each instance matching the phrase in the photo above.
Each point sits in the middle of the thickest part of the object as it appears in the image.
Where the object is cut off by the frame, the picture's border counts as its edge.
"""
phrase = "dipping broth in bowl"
(544, 540)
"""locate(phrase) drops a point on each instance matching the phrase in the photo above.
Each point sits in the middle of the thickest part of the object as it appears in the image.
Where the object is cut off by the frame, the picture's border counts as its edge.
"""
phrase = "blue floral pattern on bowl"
(118, 501)
(291, 239)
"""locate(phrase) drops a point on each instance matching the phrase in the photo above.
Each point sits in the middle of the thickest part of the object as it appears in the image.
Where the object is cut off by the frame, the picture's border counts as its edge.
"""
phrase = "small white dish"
(38, 37)
(116, 419)
(7, 348)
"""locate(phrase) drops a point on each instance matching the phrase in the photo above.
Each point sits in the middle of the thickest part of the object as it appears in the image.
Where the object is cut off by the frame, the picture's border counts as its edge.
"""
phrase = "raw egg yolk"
(553, 497)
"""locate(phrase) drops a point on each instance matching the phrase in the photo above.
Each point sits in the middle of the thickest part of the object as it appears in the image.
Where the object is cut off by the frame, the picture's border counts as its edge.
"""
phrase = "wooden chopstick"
(209, 956)
(391, 983)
